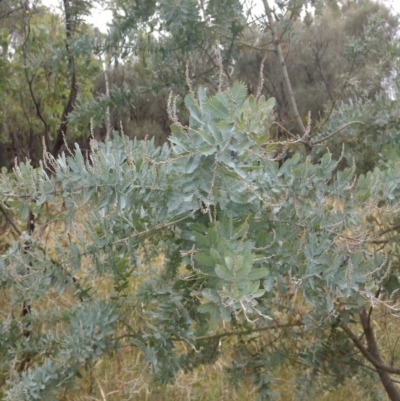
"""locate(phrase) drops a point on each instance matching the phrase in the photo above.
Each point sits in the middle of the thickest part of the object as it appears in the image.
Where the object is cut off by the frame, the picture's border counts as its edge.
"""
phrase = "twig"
(10, 221)
(145, 232)
(250, 331)
(281, 127)
(313, 143)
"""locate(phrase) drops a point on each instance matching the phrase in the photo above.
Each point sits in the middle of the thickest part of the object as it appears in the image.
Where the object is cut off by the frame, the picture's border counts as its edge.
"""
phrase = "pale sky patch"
(101, 17)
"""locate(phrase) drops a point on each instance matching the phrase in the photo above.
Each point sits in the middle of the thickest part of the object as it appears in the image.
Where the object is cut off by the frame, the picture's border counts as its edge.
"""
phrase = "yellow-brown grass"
(124, 375)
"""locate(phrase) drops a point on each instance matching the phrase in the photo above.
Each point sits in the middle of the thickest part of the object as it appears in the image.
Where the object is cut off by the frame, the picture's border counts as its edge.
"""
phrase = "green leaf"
(225, 313)
(215, 317)
(207, 307)
(239, 92)
(259, 293)
(258, 274)
(183, 147)
(229, 263)
(192, 164)
(207, 150)
(214, 130)
(216, 109)
(223, 272)
(193, 108)
(88, 194)
(203, 259)
(201, 95)
(268, 283)
(25, 211)
(215, 256)
(207, 137)
(270, 103)
(211, 295)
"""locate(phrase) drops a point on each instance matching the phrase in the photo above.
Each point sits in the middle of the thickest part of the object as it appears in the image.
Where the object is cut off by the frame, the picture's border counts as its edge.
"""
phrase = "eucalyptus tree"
(330, 56)
(49, 57)
(336, 52)
(43, 63)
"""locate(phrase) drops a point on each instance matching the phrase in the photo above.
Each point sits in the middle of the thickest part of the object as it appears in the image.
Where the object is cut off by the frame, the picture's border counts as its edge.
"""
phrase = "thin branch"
(229, 333)
(8, 13)
(284, 129)
(313, 143)
(16, 229)
(377, 364)
(372, 308)
(77, 189)
(151, 230)
(37, 105)
(388, 230)
(250, 331)
(317, 59)
(328, 115)
(374, 352)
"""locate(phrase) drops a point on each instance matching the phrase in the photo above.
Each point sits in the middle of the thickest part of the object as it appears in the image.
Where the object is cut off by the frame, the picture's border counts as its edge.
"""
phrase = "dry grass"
(124, 375)
(126, 378)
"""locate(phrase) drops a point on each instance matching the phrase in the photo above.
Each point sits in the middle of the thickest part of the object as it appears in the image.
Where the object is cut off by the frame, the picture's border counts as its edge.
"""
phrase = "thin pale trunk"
(286, 79)
(108, 120)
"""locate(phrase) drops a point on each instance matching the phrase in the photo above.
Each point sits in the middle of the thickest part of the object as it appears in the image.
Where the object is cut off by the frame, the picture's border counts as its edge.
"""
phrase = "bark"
(26, 306)
(371, 353)
(108, 119)
(62, 130)
(374, 351)
(286, 79)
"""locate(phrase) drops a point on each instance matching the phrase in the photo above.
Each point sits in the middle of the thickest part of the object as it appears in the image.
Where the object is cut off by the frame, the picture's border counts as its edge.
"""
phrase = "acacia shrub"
(240, 235)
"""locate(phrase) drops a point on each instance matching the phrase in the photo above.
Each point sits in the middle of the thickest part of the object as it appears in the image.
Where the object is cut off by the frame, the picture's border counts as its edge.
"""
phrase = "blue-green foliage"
(240, 235)
(373, 139)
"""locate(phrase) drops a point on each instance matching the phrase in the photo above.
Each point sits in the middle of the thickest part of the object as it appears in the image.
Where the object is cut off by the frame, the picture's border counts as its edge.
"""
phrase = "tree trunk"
(373, 350)
(108, 117)
(286, 80)
(73, 93)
